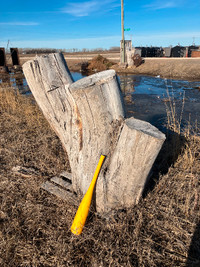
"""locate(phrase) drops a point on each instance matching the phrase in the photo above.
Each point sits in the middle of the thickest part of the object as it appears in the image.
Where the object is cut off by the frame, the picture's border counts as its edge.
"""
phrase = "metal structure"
(125, 46)
(15, 56)
(3, 66)
(2, 57)
(178, 51)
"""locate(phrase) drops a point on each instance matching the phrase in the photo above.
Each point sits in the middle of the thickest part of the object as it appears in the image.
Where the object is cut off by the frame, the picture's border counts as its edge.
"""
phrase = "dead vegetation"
(99, 63)
(162, 230)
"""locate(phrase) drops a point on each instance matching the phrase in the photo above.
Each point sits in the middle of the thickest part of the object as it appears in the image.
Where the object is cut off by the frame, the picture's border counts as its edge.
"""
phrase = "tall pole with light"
(122, 24)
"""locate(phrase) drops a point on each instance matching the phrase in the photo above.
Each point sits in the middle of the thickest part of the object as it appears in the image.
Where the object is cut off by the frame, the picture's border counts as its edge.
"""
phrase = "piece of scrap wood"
(24, 171)
(66, 175)
(58, 191)
(64, 183)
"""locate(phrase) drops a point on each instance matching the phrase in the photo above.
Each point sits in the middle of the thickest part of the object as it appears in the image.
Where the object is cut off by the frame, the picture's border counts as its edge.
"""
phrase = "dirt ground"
(174, 68)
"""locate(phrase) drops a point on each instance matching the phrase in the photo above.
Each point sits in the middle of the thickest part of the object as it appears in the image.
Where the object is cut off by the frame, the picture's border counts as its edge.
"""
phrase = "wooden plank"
(58, 191)
(24, 171)
(64, 183)
(66, 175)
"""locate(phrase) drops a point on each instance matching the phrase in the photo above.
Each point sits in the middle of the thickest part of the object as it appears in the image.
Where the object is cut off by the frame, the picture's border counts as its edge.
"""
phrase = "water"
(145, 97)
(77, 76)
(138, 84)
(19, 81)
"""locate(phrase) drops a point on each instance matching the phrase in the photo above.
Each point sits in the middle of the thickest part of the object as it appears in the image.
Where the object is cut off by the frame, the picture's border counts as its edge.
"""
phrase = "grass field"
(162, 230)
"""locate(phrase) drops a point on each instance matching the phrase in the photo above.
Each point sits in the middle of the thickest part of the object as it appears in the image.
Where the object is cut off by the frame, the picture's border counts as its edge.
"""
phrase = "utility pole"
(122, 24)
(193, 43)
(7, 46)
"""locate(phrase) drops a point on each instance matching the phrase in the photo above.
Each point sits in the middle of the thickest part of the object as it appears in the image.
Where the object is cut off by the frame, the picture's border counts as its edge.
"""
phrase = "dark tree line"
(70, 50)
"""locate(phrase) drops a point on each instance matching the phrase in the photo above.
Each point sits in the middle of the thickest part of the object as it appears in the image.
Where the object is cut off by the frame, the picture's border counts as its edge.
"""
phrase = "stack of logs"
(89, 118)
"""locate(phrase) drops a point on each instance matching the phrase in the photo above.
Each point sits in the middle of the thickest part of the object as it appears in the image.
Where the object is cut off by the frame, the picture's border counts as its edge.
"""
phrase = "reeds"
(174, 120)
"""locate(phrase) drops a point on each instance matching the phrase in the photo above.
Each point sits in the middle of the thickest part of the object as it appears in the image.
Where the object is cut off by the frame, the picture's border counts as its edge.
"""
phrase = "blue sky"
(92, 24)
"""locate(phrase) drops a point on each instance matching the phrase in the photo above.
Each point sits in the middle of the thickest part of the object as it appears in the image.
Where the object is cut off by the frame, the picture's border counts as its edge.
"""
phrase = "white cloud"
(83, 9)
(162, 5)
(19, 23)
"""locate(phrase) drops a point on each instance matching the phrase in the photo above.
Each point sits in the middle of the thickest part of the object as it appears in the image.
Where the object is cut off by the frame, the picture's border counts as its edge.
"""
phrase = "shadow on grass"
(194, 250)
(166, 158)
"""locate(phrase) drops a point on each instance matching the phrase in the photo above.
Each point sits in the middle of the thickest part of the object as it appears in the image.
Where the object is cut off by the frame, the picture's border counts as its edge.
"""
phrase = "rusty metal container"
(195, 53)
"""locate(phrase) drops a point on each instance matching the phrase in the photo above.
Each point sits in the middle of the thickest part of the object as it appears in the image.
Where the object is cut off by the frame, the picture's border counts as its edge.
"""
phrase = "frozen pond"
(147, 98)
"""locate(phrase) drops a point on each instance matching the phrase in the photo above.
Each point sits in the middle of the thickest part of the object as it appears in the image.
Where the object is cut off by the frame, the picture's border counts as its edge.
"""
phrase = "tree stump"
(135, 152)
(89, 118)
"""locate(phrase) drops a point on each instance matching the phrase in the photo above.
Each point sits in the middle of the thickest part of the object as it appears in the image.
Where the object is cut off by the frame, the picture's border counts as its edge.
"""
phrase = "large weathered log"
(88, 116)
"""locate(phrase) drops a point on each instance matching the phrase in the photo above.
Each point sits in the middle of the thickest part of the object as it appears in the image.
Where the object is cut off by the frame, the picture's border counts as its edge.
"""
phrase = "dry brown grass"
(35, 226)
